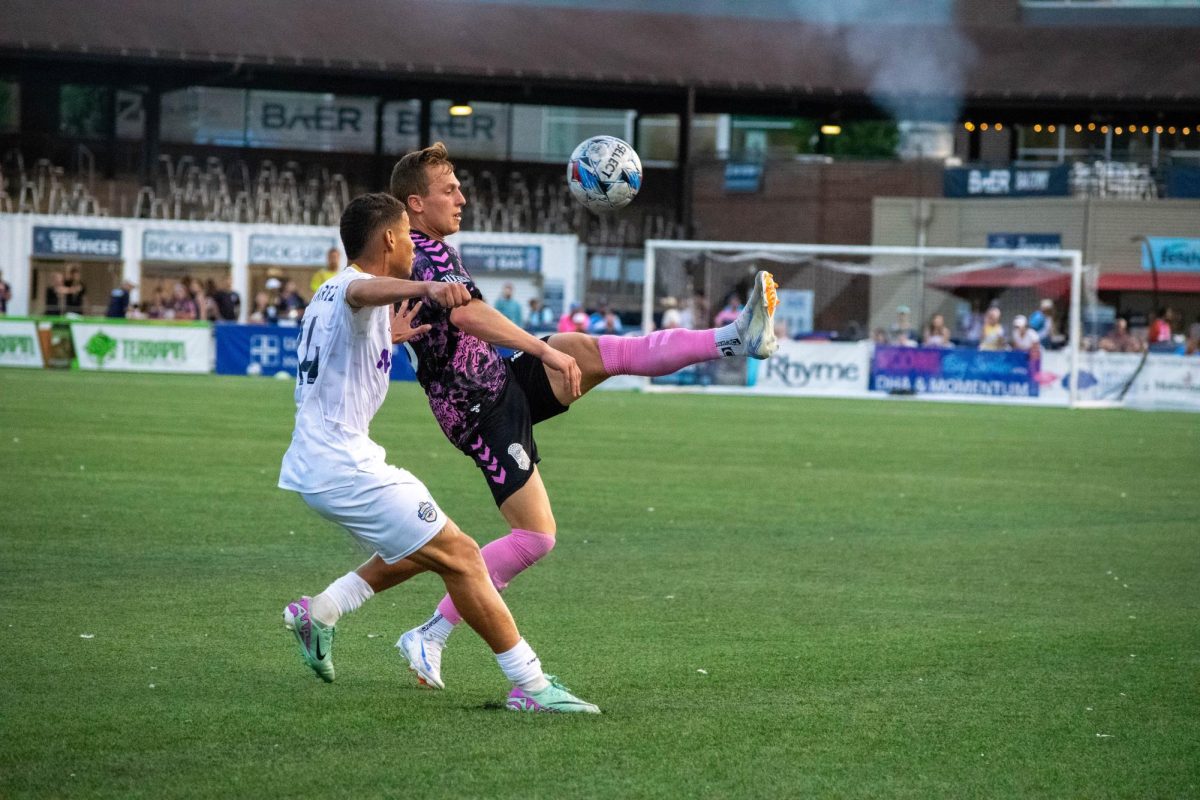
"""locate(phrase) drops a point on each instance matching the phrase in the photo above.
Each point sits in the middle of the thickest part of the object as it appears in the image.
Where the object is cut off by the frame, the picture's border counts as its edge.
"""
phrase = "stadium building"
(1070, 124)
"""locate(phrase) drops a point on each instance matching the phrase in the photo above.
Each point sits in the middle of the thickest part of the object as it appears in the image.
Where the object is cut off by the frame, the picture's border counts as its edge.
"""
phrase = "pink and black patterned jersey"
(461, 374)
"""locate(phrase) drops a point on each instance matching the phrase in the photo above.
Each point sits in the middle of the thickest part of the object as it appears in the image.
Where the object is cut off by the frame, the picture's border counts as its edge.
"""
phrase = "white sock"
(729, 341)
(437, 628)
(342, 596)
(522, 666)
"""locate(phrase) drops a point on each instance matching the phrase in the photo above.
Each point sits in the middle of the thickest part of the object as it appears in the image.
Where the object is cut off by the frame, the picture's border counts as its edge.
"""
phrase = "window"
(85, 112)
(10, 106)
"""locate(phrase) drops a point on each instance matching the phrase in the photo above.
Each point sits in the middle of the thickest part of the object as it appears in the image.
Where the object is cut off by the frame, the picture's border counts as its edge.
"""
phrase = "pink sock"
(660, 353)
(506, 558)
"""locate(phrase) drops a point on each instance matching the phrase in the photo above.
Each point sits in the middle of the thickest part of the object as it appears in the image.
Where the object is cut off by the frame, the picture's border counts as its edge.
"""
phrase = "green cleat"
(554, 698)
(316, 640)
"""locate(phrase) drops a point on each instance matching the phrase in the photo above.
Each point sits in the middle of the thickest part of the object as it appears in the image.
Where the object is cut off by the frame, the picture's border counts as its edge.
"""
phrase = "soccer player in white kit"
(344, 349)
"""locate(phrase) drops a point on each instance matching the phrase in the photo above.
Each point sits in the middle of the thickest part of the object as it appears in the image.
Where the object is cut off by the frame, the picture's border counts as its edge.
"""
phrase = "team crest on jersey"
(426, 511)
(519, 455)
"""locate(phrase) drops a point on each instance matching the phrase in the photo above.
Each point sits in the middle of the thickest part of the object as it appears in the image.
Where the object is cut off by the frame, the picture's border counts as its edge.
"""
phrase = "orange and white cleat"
(756, 323)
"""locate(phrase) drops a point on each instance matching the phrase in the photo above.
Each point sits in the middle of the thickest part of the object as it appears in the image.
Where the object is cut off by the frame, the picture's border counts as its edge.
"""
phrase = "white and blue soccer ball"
(604, 173)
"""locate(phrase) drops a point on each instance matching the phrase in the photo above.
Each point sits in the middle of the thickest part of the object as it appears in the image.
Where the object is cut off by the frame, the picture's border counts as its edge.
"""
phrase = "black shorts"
(502, 444)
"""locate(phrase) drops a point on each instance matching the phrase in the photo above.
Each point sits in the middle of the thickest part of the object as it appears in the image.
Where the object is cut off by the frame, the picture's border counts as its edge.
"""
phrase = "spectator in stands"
(671, 317)
(1025, 338)
(697, 311)
(5, 295)
(1192, 345)
(291, 304)
(936, 333)
(1120, 340)
(605, 321)
(970, 325)
(118, 301)
(566, 323)
(227, 301)
(729, 312)
(540, 318)
(1042, 322)
(183, 307)
(333, 264)
(1160, 327)
(902, 333)
(992, 336)
(879, 336)
(507, 306)
(160, 305)
(55, 296)
(74, 291)
(264, 312)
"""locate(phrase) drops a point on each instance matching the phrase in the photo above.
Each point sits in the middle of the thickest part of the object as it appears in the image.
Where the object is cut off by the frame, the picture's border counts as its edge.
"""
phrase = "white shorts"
(389, 511)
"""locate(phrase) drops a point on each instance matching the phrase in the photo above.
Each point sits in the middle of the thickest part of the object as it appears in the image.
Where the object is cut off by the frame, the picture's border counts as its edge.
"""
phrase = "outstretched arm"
(484, 322)
(386, 291)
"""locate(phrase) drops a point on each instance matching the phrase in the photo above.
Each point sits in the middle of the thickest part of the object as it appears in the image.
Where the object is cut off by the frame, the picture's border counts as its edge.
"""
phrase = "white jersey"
(345, 357)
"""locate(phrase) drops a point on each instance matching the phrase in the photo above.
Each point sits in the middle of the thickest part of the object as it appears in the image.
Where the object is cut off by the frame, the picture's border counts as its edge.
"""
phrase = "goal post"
(852, 289)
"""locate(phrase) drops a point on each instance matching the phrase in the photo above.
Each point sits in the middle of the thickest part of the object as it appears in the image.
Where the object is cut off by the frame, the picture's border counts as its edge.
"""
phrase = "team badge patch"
(426, 511)
(519, 455)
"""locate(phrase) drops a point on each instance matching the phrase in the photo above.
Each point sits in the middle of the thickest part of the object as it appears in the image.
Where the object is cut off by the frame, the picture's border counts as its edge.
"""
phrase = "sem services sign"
(142, 348)
(290, 251)
(1171, 255)
(186, 246)
(82, 243)
(501, 257)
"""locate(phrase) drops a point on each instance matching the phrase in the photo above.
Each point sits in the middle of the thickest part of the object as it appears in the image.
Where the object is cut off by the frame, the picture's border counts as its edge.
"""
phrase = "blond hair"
(410, 177)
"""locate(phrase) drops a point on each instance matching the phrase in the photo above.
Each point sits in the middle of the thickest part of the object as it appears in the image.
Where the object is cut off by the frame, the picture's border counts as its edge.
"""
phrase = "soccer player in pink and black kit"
(345, 349)
(487, 405)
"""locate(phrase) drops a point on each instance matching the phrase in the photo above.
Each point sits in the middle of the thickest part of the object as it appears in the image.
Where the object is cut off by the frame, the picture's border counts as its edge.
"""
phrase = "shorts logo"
(426, 511)
(519, 455)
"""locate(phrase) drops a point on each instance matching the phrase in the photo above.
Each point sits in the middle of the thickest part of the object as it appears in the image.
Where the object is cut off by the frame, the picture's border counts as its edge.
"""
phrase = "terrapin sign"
(142, 348)
(19, 344)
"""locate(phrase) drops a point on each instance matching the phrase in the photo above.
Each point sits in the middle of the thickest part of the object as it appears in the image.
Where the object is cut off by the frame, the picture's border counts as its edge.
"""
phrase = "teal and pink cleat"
(315, 639)
(554, 698)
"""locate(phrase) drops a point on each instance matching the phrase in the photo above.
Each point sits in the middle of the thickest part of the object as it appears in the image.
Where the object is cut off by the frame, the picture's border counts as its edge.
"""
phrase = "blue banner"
(97, 243)
(271, 350)
(962, 371)
(1171, 255)
(1007, 182)
(1024, 241)
(501, 257)
(742, 176)
(1183, 181)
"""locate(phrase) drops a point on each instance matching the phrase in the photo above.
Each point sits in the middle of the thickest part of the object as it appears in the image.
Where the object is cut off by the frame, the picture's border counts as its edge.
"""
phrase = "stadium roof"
(982, 59)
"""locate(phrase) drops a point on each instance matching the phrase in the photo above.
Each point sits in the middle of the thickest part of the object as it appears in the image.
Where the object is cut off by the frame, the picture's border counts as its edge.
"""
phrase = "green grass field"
(767, 597)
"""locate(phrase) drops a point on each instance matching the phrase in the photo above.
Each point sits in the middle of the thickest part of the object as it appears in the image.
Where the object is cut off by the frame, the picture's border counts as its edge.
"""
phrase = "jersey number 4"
(309, 367)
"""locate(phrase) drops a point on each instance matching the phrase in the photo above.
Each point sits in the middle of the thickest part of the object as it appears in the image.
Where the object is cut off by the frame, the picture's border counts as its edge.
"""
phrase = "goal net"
(862, 320)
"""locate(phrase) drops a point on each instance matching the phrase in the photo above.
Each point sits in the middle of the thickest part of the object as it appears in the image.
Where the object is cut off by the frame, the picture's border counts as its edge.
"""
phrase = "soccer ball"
(604, 173)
